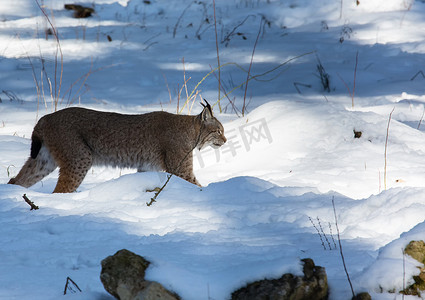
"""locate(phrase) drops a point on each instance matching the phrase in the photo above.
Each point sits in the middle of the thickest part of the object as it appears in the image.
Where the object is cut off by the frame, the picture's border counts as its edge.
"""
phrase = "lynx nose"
(224, 139)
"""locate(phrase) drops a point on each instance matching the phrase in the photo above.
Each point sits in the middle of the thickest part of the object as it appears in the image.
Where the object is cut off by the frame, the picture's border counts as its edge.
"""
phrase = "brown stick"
(354, 83)
(30, 203)
(58, 51)
(68, 286)
(340, 249)
(385, 152)
(218, 59)
(249, 69)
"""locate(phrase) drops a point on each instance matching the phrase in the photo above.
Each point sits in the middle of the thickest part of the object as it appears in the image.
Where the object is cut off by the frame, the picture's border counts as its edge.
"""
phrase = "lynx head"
(212, 132)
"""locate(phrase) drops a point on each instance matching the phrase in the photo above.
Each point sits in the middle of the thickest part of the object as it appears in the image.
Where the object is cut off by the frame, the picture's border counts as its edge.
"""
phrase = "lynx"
(74, 139)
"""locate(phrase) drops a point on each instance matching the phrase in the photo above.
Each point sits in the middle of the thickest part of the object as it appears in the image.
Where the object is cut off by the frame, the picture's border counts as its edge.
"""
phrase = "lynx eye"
(219, 132)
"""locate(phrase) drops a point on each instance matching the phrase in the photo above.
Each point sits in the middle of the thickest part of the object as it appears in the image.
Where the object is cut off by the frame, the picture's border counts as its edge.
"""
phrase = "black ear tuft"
(208, 106)
(207, 111)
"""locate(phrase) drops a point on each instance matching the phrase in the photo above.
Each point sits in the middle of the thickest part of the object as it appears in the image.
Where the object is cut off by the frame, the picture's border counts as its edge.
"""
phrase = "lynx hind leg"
(73, 171)
(35, 169)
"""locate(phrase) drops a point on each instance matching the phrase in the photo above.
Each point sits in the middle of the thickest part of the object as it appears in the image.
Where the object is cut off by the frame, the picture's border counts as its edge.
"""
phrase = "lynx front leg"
(183, 169)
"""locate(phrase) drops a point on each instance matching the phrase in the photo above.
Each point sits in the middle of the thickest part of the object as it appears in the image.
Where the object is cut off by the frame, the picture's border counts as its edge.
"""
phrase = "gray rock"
(123, 276)
(362, 296)
(312, 286)
(155, 291)
(416, 249)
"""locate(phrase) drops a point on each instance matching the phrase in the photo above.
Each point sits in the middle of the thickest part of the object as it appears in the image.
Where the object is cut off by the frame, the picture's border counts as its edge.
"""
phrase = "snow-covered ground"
(269, 189)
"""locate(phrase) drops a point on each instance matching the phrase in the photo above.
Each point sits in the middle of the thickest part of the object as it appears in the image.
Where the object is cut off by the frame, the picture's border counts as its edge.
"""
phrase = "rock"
(312, 286)
(416, 249)
(362, 296)
(79, 10)
(123, 276)
(155, 291)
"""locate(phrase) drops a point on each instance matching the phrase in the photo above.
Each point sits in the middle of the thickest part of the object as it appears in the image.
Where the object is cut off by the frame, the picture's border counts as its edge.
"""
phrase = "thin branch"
(296, 84)
(422, 117)
(218, 58)
(351, 92)
(226, 95)
(58, 49)
(340, 248)
(68, 286)
(318, 232)
(30, 203)
(385, 152)
(418, 73)
(249, 69)
(404, 273)
(179, 19)
(254, 77)
(227, 37)
(153, 199)
(354, 83)
(346, 85)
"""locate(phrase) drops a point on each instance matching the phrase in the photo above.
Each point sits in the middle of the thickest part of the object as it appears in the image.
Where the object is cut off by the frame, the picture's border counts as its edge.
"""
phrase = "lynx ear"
(206, 112)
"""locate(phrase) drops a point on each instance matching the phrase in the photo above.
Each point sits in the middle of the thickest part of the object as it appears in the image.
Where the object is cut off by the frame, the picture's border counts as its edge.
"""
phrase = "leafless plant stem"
(232, 32)
(232, 103)
(179, 19)
(218, 58)
(351, 92)
(249, 69)
(422, 117)
(418, 73)
(68, 286)
(58, 51)
(385, 152)
(354, 83)
(404, 273)
(340, 248)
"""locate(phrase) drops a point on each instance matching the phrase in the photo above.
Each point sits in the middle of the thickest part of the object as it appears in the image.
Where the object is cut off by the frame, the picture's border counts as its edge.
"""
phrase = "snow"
(269, 190)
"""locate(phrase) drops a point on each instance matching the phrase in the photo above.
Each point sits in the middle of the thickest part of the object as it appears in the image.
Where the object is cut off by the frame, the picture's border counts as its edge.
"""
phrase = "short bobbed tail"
(35, 145)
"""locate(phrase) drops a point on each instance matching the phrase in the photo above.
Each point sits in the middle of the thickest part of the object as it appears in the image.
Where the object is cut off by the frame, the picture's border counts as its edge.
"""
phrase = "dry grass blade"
(218, 58)
(249, 69)
(386, 147)
(340, 248)
(58, 49)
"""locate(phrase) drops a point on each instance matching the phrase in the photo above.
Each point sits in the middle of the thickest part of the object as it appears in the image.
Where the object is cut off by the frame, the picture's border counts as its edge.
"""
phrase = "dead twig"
(30, 203)
(249, 69)
(231, 33)
(296, 84)
(340, 248)
(69, 287)
(218, 58)
(422, 117)
(232, 103)
(351, 92)
(58, 51)
(354, 83)
(179, 19)
(318, 232)
(159, 190)
(418, 73)
(385, 152)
